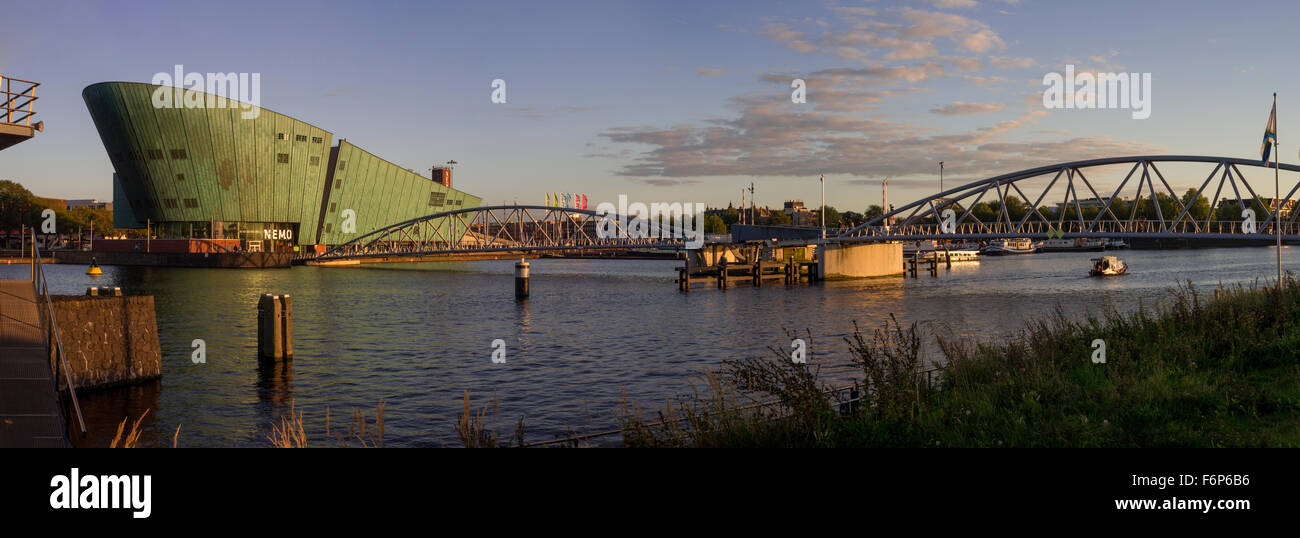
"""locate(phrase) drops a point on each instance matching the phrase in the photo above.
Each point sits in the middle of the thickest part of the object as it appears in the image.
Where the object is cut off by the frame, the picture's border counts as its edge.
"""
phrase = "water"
(418, 336)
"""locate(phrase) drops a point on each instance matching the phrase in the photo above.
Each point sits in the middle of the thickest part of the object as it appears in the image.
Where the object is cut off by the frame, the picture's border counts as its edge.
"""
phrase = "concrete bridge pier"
(861, 260)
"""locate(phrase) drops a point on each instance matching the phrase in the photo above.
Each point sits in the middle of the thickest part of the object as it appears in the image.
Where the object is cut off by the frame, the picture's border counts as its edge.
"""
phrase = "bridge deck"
(29, 406)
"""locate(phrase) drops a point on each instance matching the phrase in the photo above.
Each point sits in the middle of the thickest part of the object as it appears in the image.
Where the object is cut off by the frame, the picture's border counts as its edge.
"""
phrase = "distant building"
(1084, 203)
(799, 215)
(91, 203)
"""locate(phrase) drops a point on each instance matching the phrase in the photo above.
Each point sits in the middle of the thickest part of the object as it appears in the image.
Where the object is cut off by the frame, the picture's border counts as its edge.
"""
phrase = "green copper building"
(268, 180)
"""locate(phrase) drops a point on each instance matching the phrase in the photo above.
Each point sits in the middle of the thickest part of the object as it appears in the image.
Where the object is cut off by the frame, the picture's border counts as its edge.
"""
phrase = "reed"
(289, 432)
(132, 439)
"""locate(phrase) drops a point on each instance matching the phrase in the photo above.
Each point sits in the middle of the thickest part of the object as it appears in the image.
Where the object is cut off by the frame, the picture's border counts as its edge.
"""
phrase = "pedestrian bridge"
(1067, 203)
(508, 229)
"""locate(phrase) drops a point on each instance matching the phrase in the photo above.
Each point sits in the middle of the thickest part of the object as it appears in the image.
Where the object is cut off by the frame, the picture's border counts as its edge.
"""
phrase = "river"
(418, 336)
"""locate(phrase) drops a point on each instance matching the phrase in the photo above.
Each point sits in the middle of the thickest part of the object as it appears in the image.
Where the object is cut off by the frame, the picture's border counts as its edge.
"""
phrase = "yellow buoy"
(94, 270)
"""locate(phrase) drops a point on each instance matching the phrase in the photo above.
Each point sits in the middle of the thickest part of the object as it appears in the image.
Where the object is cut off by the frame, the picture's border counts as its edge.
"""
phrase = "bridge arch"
(511, 228)
(922, 219)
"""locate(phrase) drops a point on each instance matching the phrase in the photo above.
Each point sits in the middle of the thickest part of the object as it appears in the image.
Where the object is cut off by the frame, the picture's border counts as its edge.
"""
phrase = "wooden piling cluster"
(726, 275)
(274, 327)
(910, 265)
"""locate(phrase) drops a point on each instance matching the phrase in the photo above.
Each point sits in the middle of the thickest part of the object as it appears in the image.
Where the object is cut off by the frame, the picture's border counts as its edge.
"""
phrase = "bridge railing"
(16, 99)
(1069, 228)
(50, 326)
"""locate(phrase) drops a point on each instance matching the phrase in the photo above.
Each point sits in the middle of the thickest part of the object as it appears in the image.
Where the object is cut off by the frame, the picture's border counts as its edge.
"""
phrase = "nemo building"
(222, 179)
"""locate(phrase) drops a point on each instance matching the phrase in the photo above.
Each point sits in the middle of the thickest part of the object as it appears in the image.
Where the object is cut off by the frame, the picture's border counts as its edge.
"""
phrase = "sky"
(678, 101)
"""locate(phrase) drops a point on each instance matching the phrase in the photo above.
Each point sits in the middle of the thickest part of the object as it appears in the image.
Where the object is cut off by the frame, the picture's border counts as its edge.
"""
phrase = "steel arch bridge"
(924, 219)
(508, 229)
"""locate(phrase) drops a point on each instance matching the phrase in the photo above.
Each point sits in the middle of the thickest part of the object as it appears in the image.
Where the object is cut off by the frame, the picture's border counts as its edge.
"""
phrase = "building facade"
(271, 181)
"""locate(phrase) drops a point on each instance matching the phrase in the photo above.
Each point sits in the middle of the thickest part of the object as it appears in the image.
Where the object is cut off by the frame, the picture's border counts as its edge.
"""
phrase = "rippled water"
(419, 335)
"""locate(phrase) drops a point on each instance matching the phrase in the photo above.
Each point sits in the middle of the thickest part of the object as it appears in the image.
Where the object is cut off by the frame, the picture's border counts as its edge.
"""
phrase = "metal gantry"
(928, 218)
(506, 229)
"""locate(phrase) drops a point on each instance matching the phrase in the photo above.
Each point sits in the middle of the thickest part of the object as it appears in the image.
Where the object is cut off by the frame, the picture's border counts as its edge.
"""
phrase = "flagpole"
(1277, 201)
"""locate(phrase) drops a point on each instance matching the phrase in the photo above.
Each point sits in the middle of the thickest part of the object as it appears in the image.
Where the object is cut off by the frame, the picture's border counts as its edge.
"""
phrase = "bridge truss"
(949, 214)
(508, 229)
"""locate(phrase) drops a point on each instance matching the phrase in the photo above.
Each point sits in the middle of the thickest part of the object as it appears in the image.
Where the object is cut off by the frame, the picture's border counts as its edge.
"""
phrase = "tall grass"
(1222, 372)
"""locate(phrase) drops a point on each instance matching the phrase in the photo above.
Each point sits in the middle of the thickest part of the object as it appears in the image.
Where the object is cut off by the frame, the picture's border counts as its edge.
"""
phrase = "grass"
(1194, 373)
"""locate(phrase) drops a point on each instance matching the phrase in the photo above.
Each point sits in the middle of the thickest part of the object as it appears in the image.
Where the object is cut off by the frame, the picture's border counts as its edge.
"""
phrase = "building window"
(191, 203)
(328, 225)
(460, 202)
(338, 183)
(333, 206)
(437, 198)
(280, 136)
(180, 177)
(342, 165)
(282, 158)
(170, 203)
(317, 140)
(178, 154)
(155, 154)
(300, 138)
(313, 161)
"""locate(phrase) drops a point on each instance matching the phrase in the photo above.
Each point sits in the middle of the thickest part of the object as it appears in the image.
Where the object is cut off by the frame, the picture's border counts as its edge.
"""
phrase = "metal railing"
(17, 102)
(50, 324)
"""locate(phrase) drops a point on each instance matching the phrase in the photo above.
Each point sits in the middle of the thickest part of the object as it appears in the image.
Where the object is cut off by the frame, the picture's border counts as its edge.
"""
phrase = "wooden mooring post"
(274, 327)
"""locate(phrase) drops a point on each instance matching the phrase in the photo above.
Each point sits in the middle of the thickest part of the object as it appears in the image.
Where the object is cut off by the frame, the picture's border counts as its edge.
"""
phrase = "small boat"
(1115, 244)
(1108, 266)
(1008, 247)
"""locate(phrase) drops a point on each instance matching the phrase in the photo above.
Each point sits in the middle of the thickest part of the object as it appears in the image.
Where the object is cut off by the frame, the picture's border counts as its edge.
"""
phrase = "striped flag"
(1270, 134)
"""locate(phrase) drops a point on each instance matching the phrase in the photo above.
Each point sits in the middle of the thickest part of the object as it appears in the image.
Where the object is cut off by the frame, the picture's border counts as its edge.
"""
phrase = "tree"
(730, 216)
(1199, 209)
(832, 217)
(873, 212)
(714, 225)
(984, 212)
(18, 206)
(1016, 208)
(778, 218)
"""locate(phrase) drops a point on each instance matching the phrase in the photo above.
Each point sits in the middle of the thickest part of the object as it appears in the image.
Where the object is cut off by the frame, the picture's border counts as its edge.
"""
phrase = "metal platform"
(29, 406)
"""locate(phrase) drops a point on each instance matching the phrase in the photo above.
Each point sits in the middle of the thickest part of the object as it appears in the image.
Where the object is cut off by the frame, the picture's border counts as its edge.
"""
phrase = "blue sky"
(677, 101)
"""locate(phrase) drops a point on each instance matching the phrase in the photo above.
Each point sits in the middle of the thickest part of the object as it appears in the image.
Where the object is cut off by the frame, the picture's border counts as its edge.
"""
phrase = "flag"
(1270, 134)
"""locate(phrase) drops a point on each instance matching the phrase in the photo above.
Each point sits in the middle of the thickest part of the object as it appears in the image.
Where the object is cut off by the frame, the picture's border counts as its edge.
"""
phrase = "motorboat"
(1108, 266)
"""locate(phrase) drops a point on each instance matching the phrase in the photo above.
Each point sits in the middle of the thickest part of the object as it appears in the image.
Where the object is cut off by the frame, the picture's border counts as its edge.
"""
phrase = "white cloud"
(962, 107)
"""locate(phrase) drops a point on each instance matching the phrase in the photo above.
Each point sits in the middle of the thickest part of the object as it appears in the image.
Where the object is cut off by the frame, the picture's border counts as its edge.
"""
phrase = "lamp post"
(940, 176)
(823, 211)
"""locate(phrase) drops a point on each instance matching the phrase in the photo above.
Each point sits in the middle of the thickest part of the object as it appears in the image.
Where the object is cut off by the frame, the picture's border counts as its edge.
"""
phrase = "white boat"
(963, 255)
(917, 248)
(1115, 244)
(1008, 247)
(1108, 266)
(1081, 244)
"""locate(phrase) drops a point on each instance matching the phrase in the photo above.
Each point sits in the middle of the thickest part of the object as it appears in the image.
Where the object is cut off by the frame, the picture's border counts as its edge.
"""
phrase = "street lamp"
(940, 176)
(823, 211)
